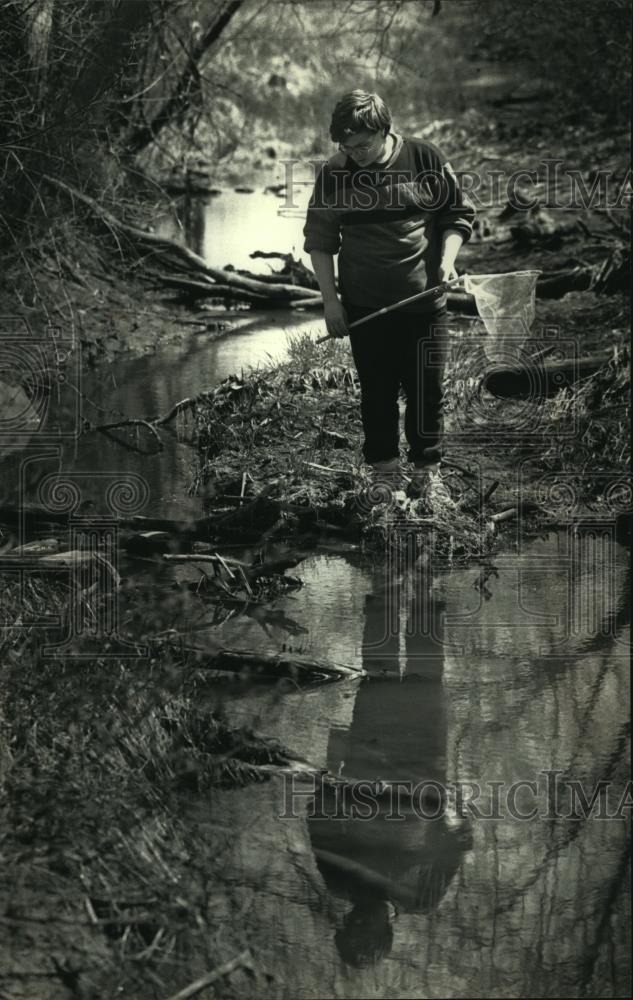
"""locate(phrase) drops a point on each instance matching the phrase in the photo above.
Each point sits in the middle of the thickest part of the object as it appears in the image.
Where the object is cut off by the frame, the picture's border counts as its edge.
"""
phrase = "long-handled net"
(505, 303)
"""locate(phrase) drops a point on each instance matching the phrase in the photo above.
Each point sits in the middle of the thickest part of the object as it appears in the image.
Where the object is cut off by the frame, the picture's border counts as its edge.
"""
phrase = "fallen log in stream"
(35, 519)
(541, 379)
(180, 258)
(262, 665)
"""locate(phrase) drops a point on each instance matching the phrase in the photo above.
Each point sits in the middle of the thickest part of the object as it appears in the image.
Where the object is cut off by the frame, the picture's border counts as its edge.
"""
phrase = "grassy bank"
(105, 882)
(280, 456)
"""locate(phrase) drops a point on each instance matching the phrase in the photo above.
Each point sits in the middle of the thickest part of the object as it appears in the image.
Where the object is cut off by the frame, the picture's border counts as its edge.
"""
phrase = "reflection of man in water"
(398, 733)
(411, 863)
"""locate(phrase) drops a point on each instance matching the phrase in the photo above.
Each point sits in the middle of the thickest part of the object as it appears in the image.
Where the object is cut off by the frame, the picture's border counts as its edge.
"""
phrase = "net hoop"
(500, 274)
(505, 302)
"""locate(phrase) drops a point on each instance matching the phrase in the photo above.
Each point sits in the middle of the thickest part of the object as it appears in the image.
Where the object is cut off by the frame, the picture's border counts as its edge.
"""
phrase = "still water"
(509, 689)
(505, 700)
(228, 228)
(221, 229)
(150, 385)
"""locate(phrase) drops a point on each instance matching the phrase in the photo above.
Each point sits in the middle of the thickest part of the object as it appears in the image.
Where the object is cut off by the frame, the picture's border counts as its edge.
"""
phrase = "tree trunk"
(39, 18)
(544, 379)
(178, 102)
(110, 53)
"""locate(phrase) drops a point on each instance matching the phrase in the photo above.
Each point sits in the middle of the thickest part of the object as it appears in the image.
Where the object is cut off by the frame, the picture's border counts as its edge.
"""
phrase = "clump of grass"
(600, 409)
(304, 352)
(105, 873)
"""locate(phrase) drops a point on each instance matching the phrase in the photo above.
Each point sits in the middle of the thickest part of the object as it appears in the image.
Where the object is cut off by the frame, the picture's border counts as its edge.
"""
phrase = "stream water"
(149, 385)
(490, 684)
(503, 695)
(508, 689)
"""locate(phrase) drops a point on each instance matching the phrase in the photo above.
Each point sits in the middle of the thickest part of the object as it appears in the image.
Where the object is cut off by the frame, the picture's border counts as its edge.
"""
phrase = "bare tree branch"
(178, 102)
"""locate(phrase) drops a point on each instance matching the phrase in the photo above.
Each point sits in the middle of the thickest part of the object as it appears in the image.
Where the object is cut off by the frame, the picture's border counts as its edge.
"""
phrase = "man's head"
(360, 122)
(367, 933)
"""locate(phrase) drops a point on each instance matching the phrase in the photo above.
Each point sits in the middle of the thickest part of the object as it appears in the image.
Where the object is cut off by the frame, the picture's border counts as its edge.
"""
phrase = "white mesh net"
(505, 303)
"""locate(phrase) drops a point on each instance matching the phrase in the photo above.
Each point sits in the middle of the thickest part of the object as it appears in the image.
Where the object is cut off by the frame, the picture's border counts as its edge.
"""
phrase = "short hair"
(359, 111)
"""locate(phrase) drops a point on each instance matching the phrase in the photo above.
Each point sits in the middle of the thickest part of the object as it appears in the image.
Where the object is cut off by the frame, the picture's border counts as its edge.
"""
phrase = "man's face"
(364, 147)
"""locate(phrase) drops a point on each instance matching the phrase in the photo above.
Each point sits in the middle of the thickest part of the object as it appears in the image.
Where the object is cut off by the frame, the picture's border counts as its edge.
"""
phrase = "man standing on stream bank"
(392, 209)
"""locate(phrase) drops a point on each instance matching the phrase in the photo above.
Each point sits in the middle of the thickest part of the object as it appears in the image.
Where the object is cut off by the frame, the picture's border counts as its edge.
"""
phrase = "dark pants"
(389, 353)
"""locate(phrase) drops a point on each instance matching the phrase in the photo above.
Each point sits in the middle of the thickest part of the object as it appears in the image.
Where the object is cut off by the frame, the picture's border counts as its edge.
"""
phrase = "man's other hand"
(335, 318)
(446, 272)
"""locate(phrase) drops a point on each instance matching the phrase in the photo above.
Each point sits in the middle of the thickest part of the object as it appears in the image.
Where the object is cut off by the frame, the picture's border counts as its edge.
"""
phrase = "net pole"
(430, 292)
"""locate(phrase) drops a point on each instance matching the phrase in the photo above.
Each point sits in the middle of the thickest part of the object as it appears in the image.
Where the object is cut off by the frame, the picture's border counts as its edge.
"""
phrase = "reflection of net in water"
(505, 303)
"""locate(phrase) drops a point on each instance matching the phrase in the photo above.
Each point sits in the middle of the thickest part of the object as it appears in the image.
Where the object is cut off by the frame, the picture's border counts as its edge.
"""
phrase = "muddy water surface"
(515, 698)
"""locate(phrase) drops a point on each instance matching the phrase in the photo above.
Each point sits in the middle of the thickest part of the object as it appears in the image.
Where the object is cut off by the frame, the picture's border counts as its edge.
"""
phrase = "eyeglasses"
(364, 148)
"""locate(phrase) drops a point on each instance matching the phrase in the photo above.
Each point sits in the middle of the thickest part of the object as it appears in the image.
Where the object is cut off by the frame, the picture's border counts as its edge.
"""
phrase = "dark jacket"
(386, 223)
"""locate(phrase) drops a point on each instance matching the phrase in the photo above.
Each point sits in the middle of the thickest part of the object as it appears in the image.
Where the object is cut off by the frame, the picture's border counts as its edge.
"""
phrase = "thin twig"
(326, 468)
(243, 959)
(132, 422)
(490, 491)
